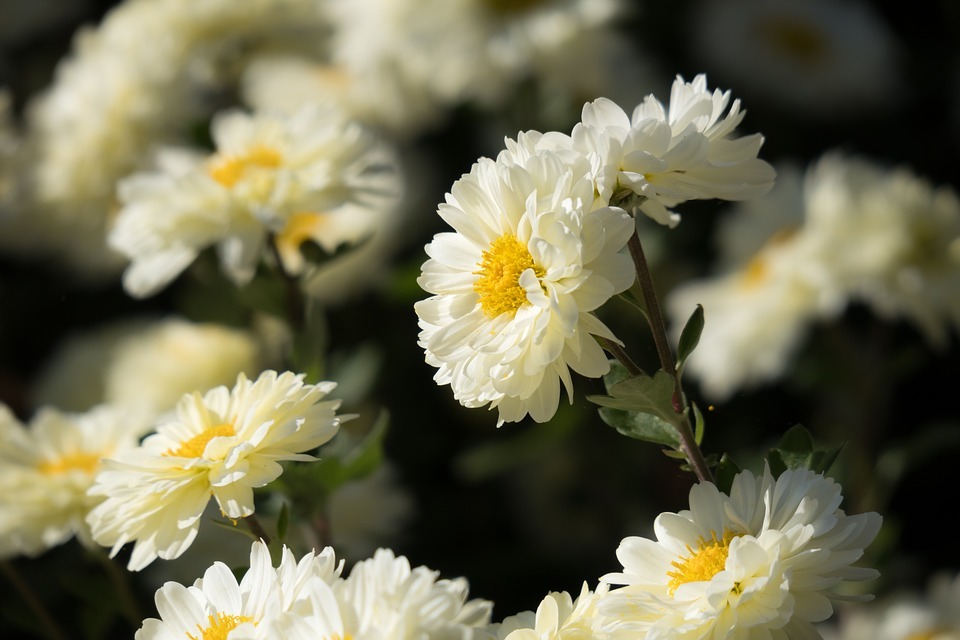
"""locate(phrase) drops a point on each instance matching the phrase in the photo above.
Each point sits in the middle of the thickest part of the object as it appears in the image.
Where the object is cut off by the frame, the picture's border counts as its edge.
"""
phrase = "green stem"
(47, 621)
(296, 310)
(121, 584)
(620, 354)
(659, 330)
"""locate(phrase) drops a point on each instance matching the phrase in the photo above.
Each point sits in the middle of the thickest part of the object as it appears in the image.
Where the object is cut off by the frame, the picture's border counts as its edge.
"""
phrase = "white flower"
(667, 155)
(47, 468)
(112, 99)
(222, 444)
(759, 563)
(890, 238)
(216, 606)
(311, 175)
(559, 617)
(819, 57)
(515, 285)
(146, 363)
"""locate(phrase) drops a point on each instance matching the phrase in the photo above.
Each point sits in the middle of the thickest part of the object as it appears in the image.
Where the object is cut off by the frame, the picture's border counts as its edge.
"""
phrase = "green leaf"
(724, 473)
(699, 424)
(796, 451)
(640, 407)
(690, 336)
(283, 522)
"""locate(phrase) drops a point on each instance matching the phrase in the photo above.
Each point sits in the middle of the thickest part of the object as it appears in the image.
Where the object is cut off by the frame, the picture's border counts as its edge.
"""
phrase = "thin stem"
(47, 621)
(295, 306)
(620, 354)
(659, 330)
(121, 583)
(257, 528)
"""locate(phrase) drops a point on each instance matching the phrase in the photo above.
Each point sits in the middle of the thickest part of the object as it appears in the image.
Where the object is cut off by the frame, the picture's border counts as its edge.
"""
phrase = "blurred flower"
(514, 286)
(759, 563)
(311, 175)
(676, 153)
(820, 57)
(363, 514)
(47, 468)
(849, 230)
(145, 363)
(559, 617)
(217, 606)
(222, 444)
(111, 101)
(904, 615)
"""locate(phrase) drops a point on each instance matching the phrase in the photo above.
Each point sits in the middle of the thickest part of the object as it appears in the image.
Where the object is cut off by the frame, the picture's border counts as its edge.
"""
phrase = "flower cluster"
(537, 240)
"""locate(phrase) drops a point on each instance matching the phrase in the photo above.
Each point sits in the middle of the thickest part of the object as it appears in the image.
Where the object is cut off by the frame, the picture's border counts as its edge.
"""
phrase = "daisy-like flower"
(311, 175)
(559, 617)
(820, 58)
(217, 606)
(46, 469)
(759, 563)
(222, 444)
(515, 285)
(674, 153)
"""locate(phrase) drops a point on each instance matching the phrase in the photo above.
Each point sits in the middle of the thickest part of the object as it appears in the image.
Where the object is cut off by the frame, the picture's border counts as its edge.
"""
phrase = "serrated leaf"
(642, 426)
(644, 394)
(690, 336)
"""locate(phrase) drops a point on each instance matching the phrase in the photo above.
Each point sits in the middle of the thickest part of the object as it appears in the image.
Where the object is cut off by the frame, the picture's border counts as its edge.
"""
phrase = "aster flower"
(515, 285)
(222, 444)
(46, 469)
(674, 153)
(762, 562)
(558, 617)
(310, 175)
(217, 606)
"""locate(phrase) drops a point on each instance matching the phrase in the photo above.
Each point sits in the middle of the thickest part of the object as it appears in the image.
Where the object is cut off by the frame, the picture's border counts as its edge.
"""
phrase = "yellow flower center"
(219, 625)
(929, 634)
(757, 270)
(794, 39)
(300, 227)
(193, 448)
(80, 461)
(499, 283)
(230, 169)
(704, 562)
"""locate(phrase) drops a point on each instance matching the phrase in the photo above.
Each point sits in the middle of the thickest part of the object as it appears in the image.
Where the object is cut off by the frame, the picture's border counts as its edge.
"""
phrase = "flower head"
(47, 468)
(515, 285)
(223, 444)
(759, 563)
(311, 175)
(674, 153)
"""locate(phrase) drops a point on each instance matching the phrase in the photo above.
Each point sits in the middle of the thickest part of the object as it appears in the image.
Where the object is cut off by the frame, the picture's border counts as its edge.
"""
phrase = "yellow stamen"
(229, 169)
(219, 626)
(500, 269)
(80, 461)
(704, 562)
(193, 448)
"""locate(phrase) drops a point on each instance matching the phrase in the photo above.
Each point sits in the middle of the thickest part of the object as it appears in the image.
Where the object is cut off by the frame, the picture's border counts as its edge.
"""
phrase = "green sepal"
(689, 337)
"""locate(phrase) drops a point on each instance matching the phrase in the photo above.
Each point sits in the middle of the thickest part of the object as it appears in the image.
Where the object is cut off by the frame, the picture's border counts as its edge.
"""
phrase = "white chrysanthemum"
(383, 597)
(670, 154)
(217, 606)
(890, 238)
(772, 286)
(820, 57)
(113, 98)
(145, 363)
(559, 617)
(47, 468)
(515, 285)
(458, 50)
(905, 615)
(311, 175)
(762, 562)
(222, 444)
